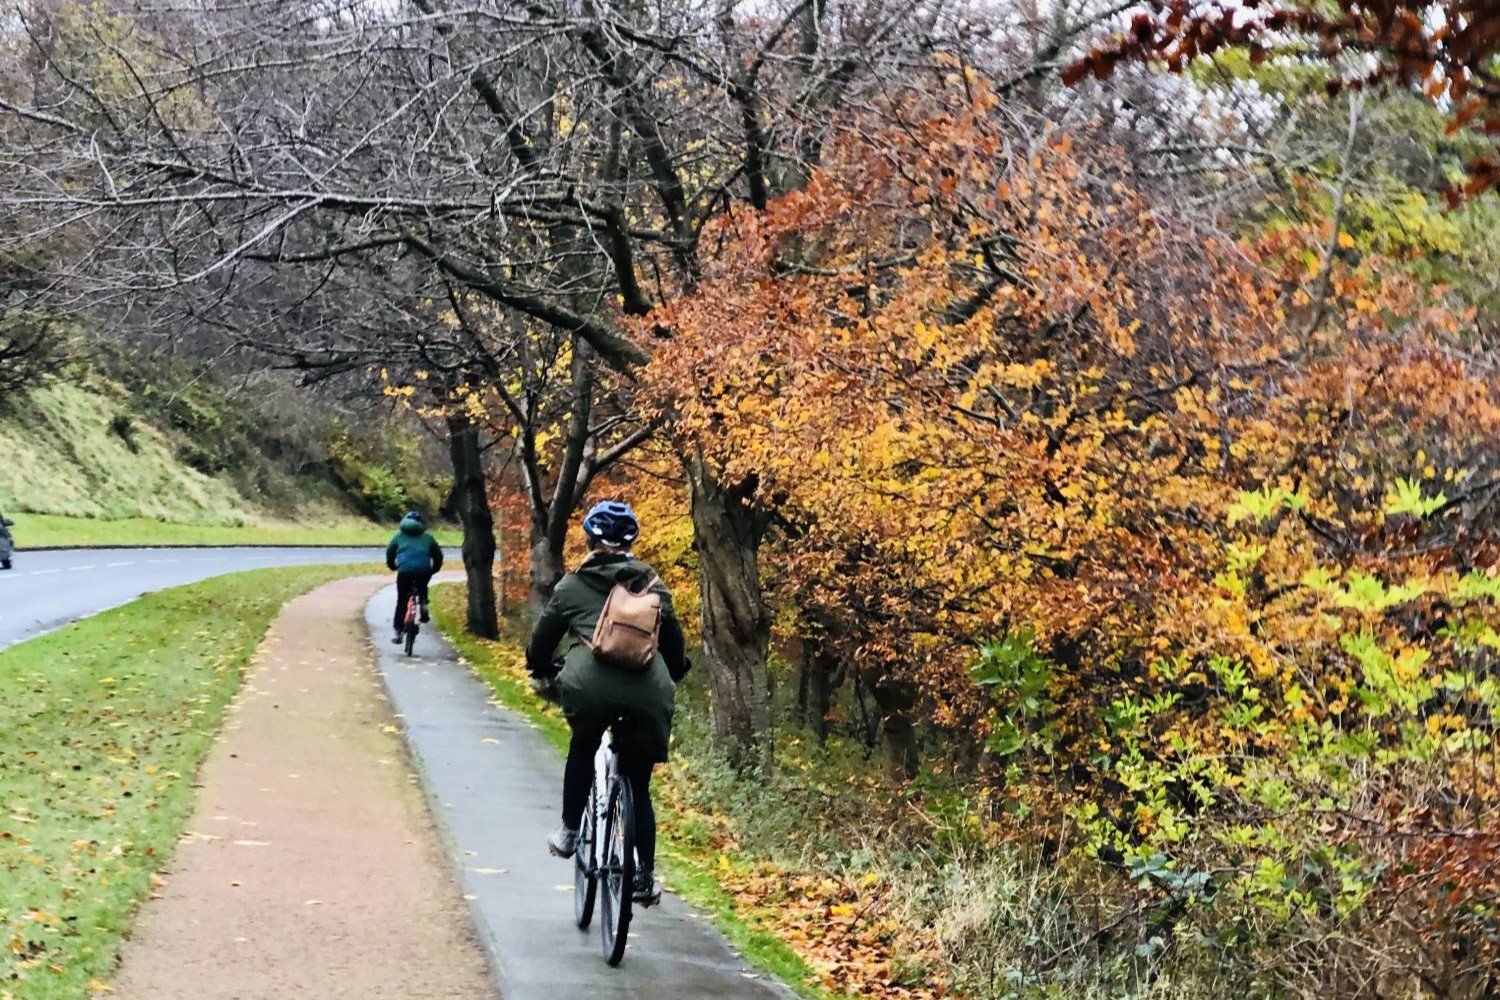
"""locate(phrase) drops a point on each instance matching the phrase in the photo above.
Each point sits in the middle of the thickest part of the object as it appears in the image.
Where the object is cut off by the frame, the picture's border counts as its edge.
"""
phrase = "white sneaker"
(562, 842)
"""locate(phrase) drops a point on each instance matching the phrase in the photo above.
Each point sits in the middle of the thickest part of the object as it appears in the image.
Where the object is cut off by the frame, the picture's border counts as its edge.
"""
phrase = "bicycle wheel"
(411, 637)
(585, 879)
(617, 871)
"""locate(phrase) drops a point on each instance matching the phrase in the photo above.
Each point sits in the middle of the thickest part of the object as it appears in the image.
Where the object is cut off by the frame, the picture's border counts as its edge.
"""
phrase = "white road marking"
(153, 562)
(43, 572)
(112, 565)
(75, 569)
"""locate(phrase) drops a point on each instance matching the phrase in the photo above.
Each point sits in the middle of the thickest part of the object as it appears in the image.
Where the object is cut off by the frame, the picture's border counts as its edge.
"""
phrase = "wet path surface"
(495, 787)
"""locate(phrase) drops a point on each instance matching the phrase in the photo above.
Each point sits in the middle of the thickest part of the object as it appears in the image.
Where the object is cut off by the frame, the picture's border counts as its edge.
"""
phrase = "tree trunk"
(471, 497)
(736, 626)
(896, 699)
(546, 566)
(822, 693)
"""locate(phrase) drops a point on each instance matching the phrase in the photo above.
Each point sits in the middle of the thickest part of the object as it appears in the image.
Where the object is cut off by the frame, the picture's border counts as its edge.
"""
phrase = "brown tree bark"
(471, 498)
(546, 568)
(736, 625)
(896, 701)
(820, 703)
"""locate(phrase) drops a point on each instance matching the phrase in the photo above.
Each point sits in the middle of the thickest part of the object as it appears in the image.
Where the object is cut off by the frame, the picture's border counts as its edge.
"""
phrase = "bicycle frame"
(604, 865)
(606, 764)
(409, 624)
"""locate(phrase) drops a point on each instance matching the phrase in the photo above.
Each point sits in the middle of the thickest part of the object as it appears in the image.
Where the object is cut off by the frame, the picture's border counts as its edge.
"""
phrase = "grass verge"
(102, 726)
(42, 530)
(691, 863)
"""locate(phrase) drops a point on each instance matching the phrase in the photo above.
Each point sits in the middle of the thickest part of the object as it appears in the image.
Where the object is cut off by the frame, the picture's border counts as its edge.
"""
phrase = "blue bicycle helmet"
(415, 515)
(612, 523)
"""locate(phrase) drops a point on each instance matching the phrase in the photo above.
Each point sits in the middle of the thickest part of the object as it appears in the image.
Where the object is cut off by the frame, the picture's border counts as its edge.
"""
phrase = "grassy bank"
(102, 725)
(74, 449)
(41, 530)
(149, 447)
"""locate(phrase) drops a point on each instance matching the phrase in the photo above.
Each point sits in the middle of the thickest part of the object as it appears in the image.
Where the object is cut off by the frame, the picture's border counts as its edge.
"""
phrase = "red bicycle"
(411, 624)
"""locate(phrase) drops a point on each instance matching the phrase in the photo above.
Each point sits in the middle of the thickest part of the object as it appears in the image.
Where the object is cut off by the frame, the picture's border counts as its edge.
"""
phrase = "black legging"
(578, 775)
(407, 582)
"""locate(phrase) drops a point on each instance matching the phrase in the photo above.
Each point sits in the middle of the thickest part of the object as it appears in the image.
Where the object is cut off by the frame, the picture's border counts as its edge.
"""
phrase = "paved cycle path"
(495, 786)
(311, 868)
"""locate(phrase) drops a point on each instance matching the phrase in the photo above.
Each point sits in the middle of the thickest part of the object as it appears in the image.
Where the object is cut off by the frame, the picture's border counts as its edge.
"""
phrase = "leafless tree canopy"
(558, 157)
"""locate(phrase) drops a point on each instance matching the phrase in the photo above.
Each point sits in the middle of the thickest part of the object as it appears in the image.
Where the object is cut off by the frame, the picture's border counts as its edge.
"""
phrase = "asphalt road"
(44, 590)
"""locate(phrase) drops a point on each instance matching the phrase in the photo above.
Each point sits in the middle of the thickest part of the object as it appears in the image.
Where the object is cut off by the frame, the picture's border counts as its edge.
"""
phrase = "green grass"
(689, 866)
(40, 530)
(83, 465)
(102, 726)
(65, 454)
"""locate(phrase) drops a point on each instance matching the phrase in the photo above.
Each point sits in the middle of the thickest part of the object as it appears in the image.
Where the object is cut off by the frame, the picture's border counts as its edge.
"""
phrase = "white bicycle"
(605, 857)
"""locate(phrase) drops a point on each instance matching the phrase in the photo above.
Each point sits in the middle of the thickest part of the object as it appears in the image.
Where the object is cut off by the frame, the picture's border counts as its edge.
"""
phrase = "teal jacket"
(413, 549)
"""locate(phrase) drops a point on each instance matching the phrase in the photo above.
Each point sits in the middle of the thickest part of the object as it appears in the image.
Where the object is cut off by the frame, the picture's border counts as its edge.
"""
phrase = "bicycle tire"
(585, 879)
(617, 872)
(411, 639)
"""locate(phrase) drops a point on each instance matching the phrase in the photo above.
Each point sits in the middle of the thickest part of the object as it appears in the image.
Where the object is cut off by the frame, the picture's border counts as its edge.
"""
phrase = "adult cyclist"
(415, 555)
(594, 694)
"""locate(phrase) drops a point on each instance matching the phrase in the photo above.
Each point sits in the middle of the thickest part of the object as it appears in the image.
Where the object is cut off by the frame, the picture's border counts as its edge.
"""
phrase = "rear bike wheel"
(617, 871)
(585, 877)
(411, 626)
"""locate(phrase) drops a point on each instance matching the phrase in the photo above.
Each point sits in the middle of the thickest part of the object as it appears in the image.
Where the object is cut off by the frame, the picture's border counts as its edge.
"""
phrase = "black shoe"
(396, 639)
(424, 618)
(647, 890)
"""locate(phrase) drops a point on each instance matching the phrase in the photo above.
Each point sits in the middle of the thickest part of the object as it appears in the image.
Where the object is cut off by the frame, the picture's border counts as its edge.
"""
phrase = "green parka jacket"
(595, 692)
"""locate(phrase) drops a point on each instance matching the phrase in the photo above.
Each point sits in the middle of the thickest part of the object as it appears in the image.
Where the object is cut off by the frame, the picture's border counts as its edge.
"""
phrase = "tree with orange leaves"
(1198, 515)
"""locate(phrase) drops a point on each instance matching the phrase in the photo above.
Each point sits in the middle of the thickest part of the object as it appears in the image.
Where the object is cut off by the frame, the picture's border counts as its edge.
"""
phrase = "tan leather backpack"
(629, 627)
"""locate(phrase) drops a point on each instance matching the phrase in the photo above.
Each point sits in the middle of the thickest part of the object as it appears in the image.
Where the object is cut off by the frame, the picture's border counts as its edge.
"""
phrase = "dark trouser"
(408, 581)
(578, 776)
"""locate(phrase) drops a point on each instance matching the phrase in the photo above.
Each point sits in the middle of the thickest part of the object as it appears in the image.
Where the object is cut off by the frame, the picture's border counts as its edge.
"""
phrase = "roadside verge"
(103, 724)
